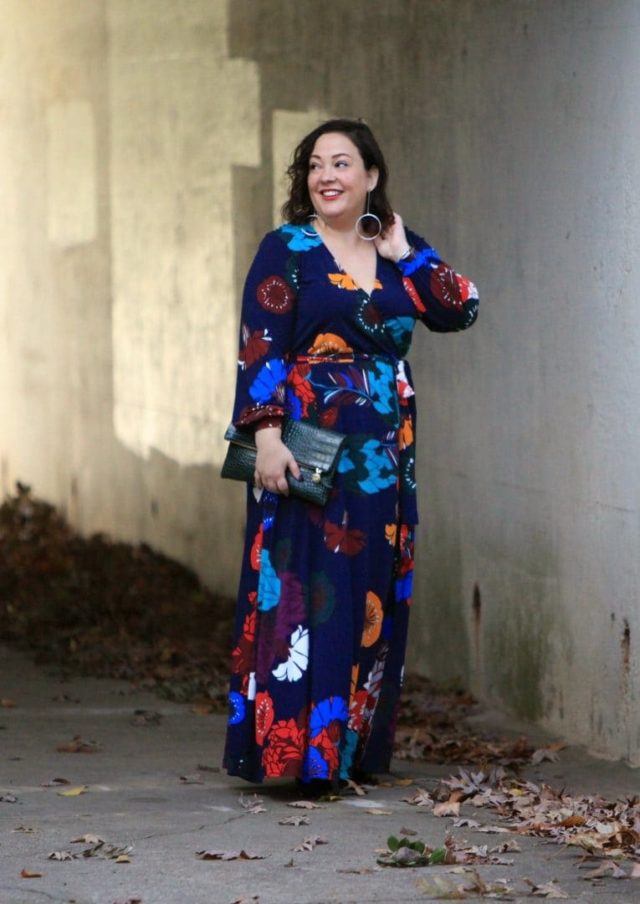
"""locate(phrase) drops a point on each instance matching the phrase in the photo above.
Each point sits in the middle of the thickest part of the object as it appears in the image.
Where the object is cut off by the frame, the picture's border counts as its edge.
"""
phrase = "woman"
(329, 307)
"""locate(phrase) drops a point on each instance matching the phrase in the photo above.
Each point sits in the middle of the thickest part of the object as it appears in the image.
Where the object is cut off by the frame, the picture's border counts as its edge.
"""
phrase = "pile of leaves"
(606, 833)
(432, 729)
(95, 607)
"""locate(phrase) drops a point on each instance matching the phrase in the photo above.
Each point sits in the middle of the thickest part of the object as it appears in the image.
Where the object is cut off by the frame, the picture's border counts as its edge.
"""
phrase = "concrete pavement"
(152, 785)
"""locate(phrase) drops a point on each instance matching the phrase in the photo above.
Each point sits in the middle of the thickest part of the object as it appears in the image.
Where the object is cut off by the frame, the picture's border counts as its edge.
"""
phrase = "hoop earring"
(313, 232)
(368, 216)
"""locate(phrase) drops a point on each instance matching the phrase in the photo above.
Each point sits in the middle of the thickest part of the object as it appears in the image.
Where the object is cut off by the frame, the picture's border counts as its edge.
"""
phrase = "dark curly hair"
(298, 207)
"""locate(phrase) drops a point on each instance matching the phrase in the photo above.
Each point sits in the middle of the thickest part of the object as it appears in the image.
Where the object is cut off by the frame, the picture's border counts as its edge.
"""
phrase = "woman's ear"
(372, 175)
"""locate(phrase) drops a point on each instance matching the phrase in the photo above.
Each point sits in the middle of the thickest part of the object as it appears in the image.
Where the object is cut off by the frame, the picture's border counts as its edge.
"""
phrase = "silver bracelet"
(407, 253)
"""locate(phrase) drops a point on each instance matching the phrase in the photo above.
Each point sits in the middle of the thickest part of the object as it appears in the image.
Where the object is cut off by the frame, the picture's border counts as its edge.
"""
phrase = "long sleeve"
(445, 300)
(266, 333)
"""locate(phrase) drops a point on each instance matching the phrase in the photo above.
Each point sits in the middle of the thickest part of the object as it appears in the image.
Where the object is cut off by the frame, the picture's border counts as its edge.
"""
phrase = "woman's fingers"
(276, 482)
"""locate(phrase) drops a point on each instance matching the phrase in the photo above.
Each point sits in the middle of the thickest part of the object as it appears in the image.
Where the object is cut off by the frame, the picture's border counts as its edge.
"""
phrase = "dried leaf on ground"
(55, 783)
(77, 745)
(420, 798)
(378, 811)
(61, 855)
(28, 830)
(7, 703)
(8, 799)
(608, 868)
(306, 805)
(547, 754)
(229, 855)
(108, 851)
(87, 839)
(73, 792)
(252, 805)
(194, 778)
(356, 788)
(309, 843)
(547, 890)
(30, 874)
(441, 888)
(294, 821)
(143, 717)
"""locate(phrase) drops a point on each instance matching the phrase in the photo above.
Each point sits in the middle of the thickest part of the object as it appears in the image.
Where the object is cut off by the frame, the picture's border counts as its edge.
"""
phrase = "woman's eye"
(342, 163)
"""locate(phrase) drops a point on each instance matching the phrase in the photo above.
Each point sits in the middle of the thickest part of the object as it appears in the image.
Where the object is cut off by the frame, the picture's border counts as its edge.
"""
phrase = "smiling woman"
(329, 308)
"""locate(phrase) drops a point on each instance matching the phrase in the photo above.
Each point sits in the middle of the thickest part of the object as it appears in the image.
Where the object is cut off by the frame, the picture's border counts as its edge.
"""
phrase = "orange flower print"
(342, 281)
(405, 436)
(328, 344)
(372, 620)
(390, 532)
(243, 657)
(264, 715)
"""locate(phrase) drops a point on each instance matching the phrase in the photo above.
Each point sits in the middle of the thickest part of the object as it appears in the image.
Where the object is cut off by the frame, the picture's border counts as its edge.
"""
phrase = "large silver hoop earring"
(368, 219)
(313, 232)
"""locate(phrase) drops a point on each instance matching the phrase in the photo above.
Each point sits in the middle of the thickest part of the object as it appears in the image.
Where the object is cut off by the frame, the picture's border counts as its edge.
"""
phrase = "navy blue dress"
(324, 593)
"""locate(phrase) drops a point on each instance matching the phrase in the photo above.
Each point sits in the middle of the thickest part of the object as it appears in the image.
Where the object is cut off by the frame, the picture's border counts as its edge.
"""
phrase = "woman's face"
(338, 181)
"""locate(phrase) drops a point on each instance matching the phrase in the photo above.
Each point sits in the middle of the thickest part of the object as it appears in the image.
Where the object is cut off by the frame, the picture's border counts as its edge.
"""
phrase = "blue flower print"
(236, 708)
(404, 587)
(327, 711)
(268, 583)
(314, 765)
(401, 331)
(269, 380)
(380, 474)
(297, 239)
(382, 389)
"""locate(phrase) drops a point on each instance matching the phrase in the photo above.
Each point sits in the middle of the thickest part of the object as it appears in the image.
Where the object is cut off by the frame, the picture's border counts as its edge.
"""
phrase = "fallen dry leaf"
(7, 703)
(420, 798)
(73, 792)
(28, 830)
(144, 717)
(294, 821)
(229, 855)
(306, 805)
(108, 851)
(608, 868)
(378, 811)
(61, 855)
(356, 788)
(252, 805)
(194, 778)
(55, 783)
(77, 745)
(447, 808)
(29, 874)
(202, 709)
(548, 890)
(309, 843)
(87, 839)
(8, 799)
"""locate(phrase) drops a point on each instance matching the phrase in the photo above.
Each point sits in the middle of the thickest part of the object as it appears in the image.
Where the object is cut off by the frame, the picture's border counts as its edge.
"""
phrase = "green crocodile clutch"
(315, 449)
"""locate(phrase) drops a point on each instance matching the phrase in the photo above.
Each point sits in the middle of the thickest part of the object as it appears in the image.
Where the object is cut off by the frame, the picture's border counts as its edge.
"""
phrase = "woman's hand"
(393, 242)
(272, 461)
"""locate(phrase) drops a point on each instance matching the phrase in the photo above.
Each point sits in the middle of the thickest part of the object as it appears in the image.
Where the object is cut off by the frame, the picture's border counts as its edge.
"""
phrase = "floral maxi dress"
(324, 593)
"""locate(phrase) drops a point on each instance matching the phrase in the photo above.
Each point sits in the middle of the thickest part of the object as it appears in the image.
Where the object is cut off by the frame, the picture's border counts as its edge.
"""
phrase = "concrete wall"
(141, 149)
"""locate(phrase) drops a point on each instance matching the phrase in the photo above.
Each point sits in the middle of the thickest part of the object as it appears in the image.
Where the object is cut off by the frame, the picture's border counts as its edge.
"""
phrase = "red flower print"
(340, 538)
(328, 417)
(275, 295)
(283, 756)
(411, 291)
(264, 715)
(256, 549)
(327, 748)
(444, 286)
(301, 387)
(255, 346)
(357, 710)
(243, 657)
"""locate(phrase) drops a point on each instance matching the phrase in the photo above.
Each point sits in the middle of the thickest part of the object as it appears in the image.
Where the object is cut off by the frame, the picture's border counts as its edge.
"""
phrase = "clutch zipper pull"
(316, 477)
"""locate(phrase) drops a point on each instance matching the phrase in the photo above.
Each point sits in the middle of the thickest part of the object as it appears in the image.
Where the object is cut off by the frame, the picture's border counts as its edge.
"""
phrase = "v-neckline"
(358, 287)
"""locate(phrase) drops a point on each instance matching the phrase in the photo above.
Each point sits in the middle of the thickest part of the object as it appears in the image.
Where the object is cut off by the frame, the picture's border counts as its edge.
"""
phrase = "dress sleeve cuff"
(421, 258)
